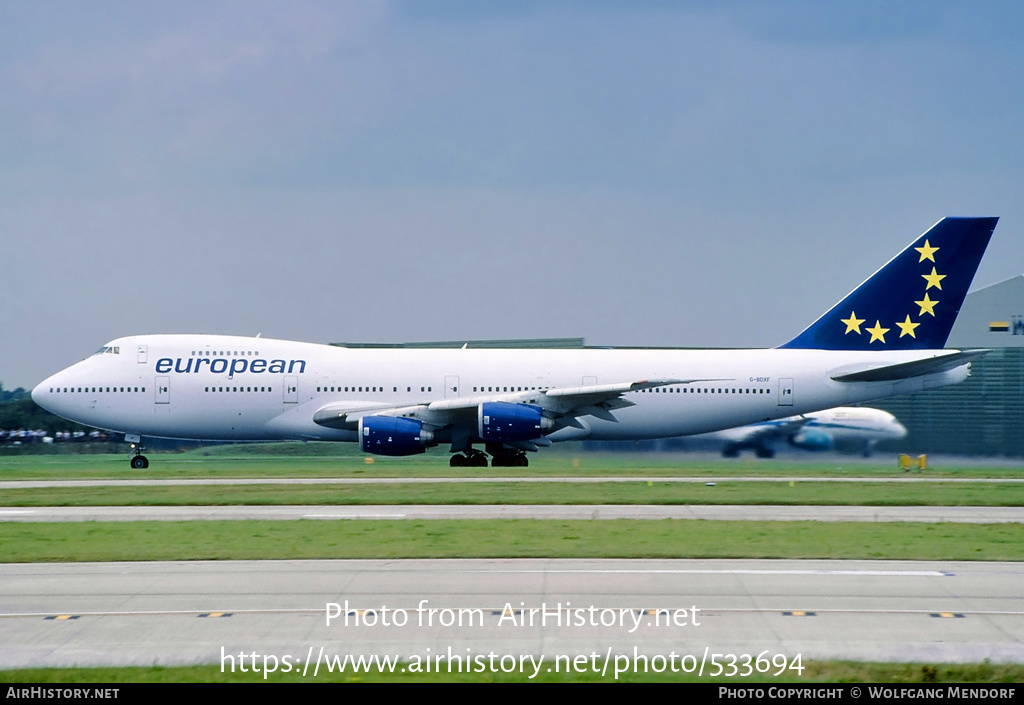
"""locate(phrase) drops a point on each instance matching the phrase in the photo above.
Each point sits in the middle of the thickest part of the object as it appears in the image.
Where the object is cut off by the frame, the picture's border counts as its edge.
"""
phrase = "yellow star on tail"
(877, 333)
(927, 252)
(907, 328)
(926, 304)
(852, 323)
(933, 279)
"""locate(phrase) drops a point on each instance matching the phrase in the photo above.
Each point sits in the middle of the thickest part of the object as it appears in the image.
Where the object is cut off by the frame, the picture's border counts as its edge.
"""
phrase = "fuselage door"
(141, 353)
(291, 389)
(785, 391)
(163, 390)
(451, 387)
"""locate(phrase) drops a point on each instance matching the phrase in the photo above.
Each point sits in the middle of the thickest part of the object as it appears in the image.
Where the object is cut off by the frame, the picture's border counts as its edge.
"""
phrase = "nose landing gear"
(137, 460)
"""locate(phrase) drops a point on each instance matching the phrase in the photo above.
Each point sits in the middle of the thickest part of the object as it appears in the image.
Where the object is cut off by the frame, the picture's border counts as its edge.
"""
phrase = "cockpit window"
(110, 349)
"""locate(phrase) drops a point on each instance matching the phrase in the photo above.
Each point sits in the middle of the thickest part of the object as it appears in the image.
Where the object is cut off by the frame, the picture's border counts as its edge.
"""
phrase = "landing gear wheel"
(510, 459)
(471, 459)
(764, 453)
(137, 460)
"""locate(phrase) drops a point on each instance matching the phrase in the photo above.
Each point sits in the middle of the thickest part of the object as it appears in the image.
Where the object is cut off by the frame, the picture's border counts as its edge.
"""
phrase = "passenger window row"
(90, 390)
(239, 389)
(367, 389)
(704, 390)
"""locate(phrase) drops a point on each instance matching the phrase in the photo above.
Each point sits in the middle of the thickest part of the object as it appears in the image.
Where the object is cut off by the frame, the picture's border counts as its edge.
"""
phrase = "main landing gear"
(472, 458)
(732, 450)
(501, 458)
(510, 459)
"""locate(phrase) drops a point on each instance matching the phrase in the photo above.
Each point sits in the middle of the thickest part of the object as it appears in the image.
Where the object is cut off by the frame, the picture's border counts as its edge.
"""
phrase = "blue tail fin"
(912, 302)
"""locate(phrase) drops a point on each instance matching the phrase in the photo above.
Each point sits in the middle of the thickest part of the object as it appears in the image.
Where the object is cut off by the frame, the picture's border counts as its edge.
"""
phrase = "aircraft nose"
(900, 429)
(41, 392)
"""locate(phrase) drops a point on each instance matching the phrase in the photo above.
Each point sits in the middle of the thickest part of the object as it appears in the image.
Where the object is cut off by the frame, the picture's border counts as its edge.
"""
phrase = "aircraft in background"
(883, 339)
(818, 430)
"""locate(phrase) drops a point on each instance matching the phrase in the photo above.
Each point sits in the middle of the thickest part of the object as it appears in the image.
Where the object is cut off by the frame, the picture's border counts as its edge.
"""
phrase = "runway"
(973, 515)
(197, 612)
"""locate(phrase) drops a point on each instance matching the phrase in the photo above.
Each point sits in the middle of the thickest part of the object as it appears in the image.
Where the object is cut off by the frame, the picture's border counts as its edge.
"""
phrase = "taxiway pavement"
(62, 614)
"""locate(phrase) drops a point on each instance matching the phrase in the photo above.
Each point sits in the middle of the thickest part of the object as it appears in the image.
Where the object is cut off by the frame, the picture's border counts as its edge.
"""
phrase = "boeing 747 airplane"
(883, 339)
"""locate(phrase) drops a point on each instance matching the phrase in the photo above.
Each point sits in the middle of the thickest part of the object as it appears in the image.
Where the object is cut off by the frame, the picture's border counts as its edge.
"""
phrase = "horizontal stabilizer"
(916, 368)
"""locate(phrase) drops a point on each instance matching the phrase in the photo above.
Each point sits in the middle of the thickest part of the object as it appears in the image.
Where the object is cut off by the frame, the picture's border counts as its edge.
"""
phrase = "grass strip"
(505, 538)
(723, 492)
(814, 672)
(231, 461)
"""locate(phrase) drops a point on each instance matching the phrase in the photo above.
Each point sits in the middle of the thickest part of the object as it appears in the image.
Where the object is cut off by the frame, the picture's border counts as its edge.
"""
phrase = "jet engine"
(393, 435)
(504, 422)
(811, 439)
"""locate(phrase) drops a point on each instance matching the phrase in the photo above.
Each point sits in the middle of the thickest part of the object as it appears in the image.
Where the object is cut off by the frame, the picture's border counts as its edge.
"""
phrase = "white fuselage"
(208, 387)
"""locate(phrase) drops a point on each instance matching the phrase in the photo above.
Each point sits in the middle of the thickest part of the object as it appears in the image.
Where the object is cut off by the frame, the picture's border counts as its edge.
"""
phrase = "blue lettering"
(1018, 325)
(219, 365)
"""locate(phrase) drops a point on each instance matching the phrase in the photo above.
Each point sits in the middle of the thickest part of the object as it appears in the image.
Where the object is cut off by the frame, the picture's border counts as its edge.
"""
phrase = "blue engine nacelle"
(393, 435)
(811, 439)
(502, 421)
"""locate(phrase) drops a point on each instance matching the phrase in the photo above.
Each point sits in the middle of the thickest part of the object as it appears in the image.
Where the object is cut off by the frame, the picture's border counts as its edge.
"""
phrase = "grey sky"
(662, 173)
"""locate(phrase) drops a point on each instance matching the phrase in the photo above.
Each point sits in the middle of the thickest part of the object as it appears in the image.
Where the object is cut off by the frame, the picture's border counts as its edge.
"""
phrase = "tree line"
(18, 411)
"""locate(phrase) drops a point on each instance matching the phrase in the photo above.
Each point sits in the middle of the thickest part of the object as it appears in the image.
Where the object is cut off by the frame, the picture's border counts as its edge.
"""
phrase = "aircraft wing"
(562, 405)
(591, 400)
